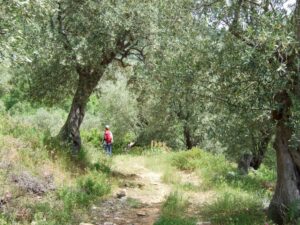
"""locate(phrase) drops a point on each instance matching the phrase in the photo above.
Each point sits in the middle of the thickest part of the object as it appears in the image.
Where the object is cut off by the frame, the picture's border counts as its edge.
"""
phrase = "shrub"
(213, 167)
(42, 119)
(88, 188)
(103, 167)
(187, 160)
(19, 108)
(94, 184)
(92, 136)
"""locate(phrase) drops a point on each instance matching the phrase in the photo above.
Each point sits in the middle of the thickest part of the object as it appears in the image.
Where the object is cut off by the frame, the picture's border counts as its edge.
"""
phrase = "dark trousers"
(108, 149)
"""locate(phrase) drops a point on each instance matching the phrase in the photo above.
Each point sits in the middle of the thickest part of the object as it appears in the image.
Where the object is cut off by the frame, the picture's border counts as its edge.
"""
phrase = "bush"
(88, 188)
(92, 136)
(103, 167)
(42, 119)
(94, 184)
(214, 168)
(20, 108)
(21, 131)
(187, 160)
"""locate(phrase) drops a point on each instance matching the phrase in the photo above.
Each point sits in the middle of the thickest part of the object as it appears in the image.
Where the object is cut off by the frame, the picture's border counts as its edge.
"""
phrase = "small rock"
(140, 186)
(5, 165)
(121, 193)
(94, 207)
(86, 224)
(117, 218)
(123, 200)
(8, 196)
(109, 223)
(204, 223)
(141, 213)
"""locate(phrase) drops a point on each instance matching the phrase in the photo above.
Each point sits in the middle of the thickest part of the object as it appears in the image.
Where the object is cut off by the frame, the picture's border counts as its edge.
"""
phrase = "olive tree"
(263, 37)
(70, 44)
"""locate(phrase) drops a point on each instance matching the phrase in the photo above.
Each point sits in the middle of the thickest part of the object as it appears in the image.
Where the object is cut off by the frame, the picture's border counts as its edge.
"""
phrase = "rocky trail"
(138, 198)
(136, 201)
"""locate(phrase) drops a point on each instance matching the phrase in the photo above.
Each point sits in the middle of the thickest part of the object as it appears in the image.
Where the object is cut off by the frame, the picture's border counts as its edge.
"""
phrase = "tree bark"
(262, 147)
(297, 21)
(244, 163)
(70, 133)
(187, 137)
(287, 190)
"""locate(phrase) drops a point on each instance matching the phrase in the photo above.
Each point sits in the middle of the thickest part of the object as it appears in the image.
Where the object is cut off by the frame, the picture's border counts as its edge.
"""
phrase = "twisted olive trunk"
(70, 132)
(287, 191)
(188, 137)
(262, 148)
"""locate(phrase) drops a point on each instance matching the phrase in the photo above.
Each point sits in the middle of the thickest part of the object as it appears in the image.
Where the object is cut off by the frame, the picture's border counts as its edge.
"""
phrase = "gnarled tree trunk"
(288, 163)
(287, 191)
(260, 148)
(188, 137)
(244, 163)
(70, 133)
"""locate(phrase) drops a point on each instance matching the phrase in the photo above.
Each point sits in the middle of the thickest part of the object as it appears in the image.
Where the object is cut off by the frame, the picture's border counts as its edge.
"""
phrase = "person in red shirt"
(108, 140)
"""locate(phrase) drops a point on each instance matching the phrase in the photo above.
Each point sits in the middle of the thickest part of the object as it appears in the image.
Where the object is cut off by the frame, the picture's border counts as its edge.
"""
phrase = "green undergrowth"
(235, 207)
(79, 181)
(239, 199)
(174, 211)
(84, 179)
(71, 202)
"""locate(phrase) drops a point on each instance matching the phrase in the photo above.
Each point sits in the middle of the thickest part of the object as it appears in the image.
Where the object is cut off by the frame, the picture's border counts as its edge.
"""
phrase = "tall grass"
(240, 199)
(235, 208)
(174, 211)
(77, 187)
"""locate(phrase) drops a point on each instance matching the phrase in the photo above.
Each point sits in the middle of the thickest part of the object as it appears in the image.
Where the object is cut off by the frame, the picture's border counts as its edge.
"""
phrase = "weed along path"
(139, 194)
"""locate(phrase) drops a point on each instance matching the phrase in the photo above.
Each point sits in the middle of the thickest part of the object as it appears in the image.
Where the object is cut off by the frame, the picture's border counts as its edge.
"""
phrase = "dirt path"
(143, 193)
(139, 196)
(144, 185)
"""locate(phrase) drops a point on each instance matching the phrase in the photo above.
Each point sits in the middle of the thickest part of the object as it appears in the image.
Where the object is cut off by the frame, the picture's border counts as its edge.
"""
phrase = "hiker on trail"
(108, 140)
